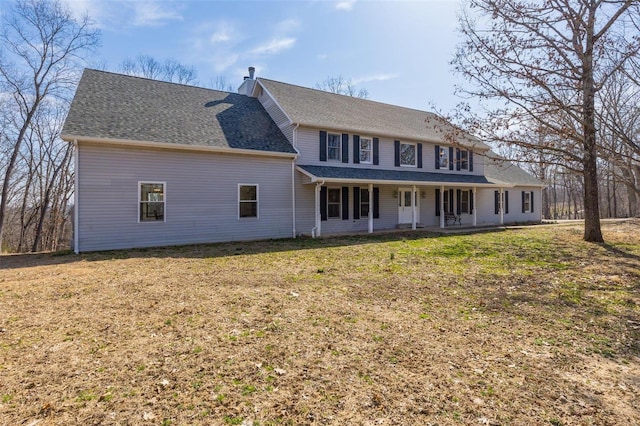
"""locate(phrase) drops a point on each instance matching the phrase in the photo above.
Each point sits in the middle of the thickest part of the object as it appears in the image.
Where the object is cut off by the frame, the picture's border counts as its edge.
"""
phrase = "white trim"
(164, 200)
(339, 217)
(76, 197)
(415, 156)
(257, 216)
(339, 159)
(275, 101)
(176, 146)
(370, 138)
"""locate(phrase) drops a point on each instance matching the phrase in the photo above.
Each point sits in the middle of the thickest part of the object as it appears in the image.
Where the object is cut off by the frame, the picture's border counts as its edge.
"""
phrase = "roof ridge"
(351, 97)
(192, 86)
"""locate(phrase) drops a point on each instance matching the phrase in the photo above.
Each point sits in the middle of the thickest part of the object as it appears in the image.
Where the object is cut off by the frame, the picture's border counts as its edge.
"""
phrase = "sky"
(399, 51)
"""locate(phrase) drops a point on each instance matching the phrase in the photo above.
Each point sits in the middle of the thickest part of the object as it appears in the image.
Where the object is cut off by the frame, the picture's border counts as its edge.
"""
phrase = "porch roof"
(391, 177)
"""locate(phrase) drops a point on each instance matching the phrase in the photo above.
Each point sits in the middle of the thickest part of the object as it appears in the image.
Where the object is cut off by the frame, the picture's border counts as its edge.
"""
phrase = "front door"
(405, 206)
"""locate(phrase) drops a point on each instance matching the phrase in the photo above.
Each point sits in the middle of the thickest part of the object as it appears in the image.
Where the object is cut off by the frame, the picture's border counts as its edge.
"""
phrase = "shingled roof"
(119, 107)
(501, 171)
(317, 108)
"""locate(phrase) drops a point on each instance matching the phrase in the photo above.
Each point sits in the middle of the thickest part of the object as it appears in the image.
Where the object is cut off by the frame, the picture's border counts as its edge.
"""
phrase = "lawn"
(527, 326)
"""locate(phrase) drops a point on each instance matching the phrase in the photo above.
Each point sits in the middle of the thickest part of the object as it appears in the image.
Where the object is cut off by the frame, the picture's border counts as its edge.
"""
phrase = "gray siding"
(274, 111)
(307, 142)
(201, 197)
(486, 206)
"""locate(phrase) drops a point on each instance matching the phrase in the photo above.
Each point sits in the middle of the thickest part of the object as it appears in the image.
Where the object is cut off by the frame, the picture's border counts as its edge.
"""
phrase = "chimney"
(252, 71)
(246, 88)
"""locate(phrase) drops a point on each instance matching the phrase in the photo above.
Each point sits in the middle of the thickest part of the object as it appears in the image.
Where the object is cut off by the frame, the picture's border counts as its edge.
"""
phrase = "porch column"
(413, 208)
(371, 208)
(318, 227)
(442, 207)
(501, 205)
(475, 207)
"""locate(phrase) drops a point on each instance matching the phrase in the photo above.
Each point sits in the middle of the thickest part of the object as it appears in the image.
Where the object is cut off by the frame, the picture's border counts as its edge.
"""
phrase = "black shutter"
(356, 149)
(457, 159)
(437, 201)
(531, 201)
(376, 151)
(345, 203)
(345, 148)
(450, 158)
(356, 202)
(470, 161)
(437, 158)
(419, 155)
(471, 201)
(506, 202)
(458, 201)
(323, 203)
(323, 145)
(376, 203)
(497, 201)
(396, 149)
(451, 201)
(522, 201)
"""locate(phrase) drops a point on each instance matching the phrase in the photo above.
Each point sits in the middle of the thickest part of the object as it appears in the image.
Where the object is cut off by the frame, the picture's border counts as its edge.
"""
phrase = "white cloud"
(287, 25)
(345, 5)
(322, 56)
(374, 77)
(274, 46)
(154, 13)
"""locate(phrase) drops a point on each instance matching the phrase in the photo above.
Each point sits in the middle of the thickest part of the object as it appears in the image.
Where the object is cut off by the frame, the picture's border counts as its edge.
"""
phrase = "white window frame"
(527, 202)
(338, 148)
(362, 203)
(257, 201)
(370, 150)
(415, 154)
(464, 163)
(464, 210)
(339, 203)
(444, 154)
(164, 200)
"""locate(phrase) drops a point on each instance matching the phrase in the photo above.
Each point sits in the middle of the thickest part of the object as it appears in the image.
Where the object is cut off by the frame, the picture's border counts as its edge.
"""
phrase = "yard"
(525, 326)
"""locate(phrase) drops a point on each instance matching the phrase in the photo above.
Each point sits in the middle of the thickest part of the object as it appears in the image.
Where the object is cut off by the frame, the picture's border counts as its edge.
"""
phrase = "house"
(164, 164)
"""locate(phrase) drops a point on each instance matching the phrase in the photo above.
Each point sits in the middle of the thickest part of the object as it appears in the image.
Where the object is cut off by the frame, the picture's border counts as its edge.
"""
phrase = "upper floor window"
(248, 201)
(333, 147)
(444, 157)
(464, 160)
(151, 205)
(366, 148)
(408, 154)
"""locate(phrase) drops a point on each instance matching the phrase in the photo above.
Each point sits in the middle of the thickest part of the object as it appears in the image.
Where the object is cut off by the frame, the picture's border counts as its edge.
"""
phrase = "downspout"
(76, 167)
(317, 228)
(293, 181)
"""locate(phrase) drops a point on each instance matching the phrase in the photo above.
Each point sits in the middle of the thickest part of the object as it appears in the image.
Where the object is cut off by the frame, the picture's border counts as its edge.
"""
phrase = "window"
(444, 158)
(445, 201)
(333, 147)
(526, 202)
(364, 202)
(247, 200)
(151, 201)
(464, 201)
(464, 160)
(333, 202)
(407, 154)
(366, 147)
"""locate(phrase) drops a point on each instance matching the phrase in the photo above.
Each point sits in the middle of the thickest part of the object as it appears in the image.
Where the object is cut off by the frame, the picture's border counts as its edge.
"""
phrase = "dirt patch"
(523, 327)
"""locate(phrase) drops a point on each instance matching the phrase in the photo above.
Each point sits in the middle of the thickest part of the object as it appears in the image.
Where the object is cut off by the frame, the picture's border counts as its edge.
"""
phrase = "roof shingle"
(115, 106)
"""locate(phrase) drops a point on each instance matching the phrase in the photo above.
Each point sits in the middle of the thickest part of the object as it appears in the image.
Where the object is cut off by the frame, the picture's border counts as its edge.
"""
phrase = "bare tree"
(342, 86)
(540, 65)
(42, 47)
(170, 70)
(220, 82)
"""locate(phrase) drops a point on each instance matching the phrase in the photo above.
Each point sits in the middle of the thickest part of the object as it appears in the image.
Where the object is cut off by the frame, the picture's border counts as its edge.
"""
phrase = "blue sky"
(399, 51)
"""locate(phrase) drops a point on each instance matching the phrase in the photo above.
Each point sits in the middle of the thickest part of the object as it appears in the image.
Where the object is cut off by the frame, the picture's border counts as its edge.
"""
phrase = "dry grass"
(521, 327)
